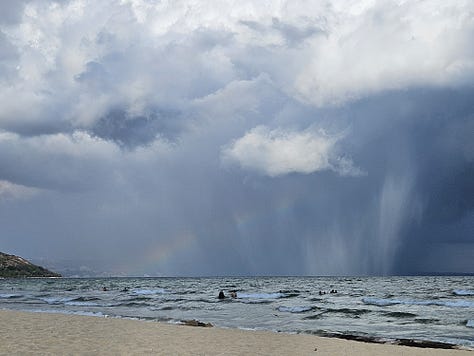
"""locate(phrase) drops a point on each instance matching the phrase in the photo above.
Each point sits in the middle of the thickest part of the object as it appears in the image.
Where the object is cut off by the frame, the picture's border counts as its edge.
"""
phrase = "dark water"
(422, 308)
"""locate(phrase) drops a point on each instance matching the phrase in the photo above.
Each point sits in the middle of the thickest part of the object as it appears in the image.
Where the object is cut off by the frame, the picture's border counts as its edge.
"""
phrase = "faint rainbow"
(161, 252)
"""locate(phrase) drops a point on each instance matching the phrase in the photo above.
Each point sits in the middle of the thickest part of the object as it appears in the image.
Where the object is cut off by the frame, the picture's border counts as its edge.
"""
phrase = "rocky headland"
(12, 266)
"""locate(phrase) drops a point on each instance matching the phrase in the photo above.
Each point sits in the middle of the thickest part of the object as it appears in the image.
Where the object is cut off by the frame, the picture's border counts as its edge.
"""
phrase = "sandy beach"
(41, 334)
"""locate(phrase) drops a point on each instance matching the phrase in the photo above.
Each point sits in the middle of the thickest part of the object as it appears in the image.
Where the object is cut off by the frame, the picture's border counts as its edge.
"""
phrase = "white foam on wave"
(446, 303)
(10, 295)
(463, 292)
(260, 295)
(67, 312)
(296, 309)
(470, 323)
(456, 303)
(56, 300)
(246, 328)
(87, 313)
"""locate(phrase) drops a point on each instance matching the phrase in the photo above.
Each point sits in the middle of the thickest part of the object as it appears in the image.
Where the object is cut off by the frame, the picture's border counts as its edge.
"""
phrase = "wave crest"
(447, 303)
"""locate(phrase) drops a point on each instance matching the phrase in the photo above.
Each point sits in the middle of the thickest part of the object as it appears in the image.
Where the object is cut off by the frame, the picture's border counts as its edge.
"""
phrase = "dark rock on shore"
(194, 322)
(426, 344)
(403, 342)
(12, 266)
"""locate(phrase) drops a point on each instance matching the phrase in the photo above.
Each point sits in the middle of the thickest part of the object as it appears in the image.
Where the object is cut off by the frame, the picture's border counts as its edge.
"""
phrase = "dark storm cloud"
(56, 162)
(292, 34)
(180, 139)
(427, 145)
(130, 132)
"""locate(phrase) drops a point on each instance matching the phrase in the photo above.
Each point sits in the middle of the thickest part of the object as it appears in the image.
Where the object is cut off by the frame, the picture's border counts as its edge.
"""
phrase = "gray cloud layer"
(240, 137)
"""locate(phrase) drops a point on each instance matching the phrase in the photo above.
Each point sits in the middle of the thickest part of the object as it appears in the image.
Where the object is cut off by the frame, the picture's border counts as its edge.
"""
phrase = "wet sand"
(56, 334)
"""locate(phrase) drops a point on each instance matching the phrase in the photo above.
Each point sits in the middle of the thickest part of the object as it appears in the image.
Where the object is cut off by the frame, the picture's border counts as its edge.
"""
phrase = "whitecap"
(463, 292)
(10, 296)
(446, 303)
(456, 303)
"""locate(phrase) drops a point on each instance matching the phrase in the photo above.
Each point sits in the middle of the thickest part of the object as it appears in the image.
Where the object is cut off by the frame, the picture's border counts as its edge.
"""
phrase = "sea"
(379, 309)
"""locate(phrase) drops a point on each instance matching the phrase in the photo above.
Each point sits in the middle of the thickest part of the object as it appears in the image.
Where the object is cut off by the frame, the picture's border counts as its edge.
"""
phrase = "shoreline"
(54, 333)
(416, 343)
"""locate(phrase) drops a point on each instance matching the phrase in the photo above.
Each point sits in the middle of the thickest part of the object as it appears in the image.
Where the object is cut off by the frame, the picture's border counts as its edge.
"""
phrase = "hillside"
(12, 266)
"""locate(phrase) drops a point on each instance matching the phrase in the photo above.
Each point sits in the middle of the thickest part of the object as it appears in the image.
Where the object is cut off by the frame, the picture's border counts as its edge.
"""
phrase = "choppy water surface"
(422, 308)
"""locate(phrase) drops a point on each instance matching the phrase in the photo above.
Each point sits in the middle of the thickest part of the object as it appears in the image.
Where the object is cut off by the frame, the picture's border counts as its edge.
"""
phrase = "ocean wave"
(66, 312)
(81, 304)
(315, 316)
(388, 302)
(296, 309)
(261, 295)
(76, 302)
(166, 307)
(400, 314)
(56, 300)
(290, 291)
(131, 304)
(380, 302)
(85, 299)
(174, 300)
(463, 292)
(149, 291)
(427, 320)
(184, 292)
(455, 303)
(349, 312)
(139, 298)
(10, 296)
(211, 301)
(470, 323)
(256, 301)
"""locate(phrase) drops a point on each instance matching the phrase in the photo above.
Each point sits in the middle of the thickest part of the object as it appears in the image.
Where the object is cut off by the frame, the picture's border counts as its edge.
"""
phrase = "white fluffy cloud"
(388, 45)
(277, 152)
(78, 60)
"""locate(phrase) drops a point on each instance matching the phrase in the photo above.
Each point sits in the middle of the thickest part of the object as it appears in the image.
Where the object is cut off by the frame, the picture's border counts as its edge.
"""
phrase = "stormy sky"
(240, 137)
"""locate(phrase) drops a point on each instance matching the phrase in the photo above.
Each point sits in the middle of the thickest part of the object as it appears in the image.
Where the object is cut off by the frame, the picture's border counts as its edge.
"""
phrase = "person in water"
(221, 295)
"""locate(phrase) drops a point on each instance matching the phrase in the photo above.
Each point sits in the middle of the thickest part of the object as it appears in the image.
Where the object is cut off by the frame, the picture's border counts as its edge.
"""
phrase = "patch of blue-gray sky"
(238, 137)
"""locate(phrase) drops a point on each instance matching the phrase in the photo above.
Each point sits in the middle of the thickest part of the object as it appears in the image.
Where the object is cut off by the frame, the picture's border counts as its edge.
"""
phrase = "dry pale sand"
(24, 333)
